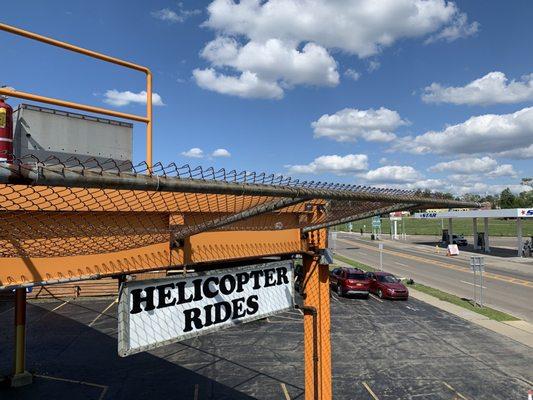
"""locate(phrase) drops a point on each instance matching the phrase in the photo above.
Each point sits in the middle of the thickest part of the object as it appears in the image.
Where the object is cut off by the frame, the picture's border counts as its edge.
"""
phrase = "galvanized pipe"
(59, 175)
(230, 219)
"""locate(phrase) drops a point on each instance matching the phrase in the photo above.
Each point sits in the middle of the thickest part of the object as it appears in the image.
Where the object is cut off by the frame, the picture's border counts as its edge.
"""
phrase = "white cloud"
(275, 61)
(351, 124)
(119, 99)
(195, 152)
(221, 153)
(483, 188)
(502, 170)
(423, 184)
(373, 66)
(287, 42)
(460, 189)
(360, 27)
(493, 88)
(168, 15)
(339, 165)
(467, 169)
(489, 133)
(247, 85)
(466, 165)
(352, 74)
(392, 174)
(457, 29)
(520, 153)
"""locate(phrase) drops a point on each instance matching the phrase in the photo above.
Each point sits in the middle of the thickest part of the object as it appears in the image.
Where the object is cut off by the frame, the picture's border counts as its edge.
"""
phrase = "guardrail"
(62, 103)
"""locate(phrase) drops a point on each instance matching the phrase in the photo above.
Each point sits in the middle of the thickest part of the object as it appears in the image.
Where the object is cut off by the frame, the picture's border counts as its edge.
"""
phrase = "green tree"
(525, 199)
(507, 199)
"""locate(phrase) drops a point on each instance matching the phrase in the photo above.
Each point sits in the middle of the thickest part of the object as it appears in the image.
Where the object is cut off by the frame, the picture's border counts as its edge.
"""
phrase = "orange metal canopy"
(86, 221)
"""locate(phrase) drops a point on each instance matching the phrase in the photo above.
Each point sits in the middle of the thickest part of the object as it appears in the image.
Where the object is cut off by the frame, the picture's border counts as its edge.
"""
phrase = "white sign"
(157, 312)
(381, 246)
(453, 250)
(426, 215)
(477, 264)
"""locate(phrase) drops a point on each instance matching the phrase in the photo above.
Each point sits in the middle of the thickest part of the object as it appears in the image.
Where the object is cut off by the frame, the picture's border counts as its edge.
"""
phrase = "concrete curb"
(521, 331)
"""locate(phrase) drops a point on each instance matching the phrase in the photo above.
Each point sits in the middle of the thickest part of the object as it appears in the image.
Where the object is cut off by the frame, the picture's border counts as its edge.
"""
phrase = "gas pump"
(445, 237)
(480, 240)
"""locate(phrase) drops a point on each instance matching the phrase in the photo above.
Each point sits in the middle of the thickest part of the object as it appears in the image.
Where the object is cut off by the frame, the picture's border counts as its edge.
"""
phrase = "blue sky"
(253, 77)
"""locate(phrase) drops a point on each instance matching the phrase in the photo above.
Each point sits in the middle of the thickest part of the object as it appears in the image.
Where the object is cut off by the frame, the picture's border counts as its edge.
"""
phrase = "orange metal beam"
(203, 248)
(232, 245)
(99, 56)
(40, 270)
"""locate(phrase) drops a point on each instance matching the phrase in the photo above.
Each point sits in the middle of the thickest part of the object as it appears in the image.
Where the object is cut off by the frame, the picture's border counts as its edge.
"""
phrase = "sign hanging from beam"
(154, 313)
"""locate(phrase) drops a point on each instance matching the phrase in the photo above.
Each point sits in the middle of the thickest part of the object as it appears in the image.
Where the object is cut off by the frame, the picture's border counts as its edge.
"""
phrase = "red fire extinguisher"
(6, 131)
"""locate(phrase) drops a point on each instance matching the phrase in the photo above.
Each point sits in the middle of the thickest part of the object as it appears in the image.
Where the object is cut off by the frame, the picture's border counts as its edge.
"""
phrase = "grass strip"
(353, 263)
(439, 294)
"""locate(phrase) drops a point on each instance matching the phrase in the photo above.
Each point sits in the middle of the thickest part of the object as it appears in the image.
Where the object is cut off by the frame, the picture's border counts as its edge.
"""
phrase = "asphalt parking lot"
(397, 350)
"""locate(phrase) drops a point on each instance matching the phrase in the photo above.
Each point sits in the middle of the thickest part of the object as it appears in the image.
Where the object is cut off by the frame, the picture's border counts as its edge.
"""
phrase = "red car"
(349, 281)
(387, 286)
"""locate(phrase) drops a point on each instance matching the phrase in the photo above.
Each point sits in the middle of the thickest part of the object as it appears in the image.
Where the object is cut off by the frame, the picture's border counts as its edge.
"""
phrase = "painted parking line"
(471, 284)
(104, 388)
(59, 306)
(376, 297)
(46, 314)
(335, 298)
(285, 391)
(370, 392)
(6, 311)
(286, 318)
(102, 313)
(455, 391)
(521, 282)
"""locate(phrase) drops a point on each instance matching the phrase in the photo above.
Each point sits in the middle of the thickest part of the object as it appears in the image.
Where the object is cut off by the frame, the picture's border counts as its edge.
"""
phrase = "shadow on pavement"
(72, 360)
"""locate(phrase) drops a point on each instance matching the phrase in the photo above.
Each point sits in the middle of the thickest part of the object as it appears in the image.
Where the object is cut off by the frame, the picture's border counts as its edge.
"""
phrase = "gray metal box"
(45, 132)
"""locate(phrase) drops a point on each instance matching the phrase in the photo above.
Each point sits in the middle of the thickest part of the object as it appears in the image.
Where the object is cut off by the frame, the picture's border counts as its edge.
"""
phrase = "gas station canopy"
(503, 213)
(515, 213)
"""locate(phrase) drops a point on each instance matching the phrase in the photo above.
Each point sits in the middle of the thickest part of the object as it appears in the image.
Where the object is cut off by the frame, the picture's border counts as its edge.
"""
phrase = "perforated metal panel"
(45, 132)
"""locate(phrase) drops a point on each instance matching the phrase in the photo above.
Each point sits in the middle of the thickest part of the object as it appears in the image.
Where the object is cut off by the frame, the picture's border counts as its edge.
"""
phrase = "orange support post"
(317, 348)
(20, 376)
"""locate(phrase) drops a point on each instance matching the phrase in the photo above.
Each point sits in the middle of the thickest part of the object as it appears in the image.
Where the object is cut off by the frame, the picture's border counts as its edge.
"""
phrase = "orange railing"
(29, 96)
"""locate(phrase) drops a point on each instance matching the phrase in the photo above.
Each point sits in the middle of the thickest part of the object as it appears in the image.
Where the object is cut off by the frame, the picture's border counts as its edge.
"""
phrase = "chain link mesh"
(41, 220)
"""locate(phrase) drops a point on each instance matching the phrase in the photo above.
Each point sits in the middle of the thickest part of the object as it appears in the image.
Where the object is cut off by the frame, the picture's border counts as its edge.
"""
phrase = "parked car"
(387, 286)
(349, 281)
(459, 240)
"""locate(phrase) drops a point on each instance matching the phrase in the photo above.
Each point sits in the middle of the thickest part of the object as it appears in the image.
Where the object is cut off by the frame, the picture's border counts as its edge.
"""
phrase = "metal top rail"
(171, 178)
(62, 103)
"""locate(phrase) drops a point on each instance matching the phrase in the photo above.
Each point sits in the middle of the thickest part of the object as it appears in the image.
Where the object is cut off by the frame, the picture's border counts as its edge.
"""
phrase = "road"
(508, 286)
